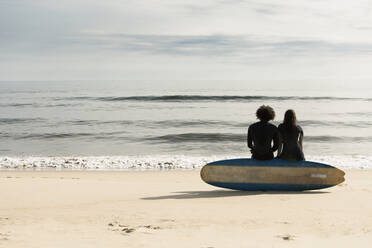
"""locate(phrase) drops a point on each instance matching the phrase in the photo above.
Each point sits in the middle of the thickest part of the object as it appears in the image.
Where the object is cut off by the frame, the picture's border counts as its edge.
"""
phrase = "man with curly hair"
(262, 134)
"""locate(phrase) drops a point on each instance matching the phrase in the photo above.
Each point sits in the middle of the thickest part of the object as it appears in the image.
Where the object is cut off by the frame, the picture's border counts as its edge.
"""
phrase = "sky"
(329, 40)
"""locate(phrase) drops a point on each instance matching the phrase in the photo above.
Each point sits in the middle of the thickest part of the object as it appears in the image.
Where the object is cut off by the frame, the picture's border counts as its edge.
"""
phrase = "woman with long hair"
(291, 136)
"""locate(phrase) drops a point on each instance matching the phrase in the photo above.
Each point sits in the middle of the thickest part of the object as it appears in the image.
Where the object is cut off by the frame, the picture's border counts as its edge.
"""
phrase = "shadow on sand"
(227, 193)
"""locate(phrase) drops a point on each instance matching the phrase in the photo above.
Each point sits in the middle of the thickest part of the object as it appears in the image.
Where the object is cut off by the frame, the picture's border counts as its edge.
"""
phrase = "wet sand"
(176, 209)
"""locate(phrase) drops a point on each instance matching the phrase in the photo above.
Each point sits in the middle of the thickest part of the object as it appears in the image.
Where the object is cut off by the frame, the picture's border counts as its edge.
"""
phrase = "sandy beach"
(176, 209)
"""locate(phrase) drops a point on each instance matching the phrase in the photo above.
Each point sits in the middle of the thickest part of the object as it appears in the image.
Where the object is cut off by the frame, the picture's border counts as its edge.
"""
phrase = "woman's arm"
(301, 138)
(280, 148)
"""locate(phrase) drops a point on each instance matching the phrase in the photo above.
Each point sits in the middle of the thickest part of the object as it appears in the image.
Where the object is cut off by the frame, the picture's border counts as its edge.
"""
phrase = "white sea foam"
(159, 162)
(344, 162)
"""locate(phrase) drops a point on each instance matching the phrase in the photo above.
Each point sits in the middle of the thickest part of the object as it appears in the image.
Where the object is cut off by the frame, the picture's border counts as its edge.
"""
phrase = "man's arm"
(276, 141)
(249, 138)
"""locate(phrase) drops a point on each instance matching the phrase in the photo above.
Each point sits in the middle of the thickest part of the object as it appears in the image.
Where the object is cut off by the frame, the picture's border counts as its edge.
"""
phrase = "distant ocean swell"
(159, 162)
(170, 98)
(217, 137)
(19, 120)
(172, 138)
(174, 123)
(56, 136)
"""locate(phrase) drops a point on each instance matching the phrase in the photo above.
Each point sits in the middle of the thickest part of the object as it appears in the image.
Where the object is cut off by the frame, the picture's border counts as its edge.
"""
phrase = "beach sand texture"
(176, 209)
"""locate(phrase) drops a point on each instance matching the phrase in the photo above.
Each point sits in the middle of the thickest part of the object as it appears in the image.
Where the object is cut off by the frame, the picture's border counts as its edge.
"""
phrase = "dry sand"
(176, 209)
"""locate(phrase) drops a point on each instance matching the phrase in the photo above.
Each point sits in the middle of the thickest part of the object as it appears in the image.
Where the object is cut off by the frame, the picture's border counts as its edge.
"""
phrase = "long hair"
(290, 119)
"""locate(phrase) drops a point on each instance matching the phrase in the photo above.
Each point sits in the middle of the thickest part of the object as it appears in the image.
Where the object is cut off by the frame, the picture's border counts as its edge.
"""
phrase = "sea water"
(171, 124)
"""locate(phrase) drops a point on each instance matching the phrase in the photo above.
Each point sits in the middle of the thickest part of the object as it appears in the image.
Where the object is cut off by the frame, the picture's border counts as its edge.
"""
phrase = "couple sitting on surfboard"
(286, 138)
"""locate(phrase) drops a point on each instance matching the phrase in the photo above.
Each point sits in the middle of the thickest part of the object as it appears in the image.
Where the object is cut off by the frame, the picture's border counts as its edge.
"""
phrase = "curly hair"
(265, 113)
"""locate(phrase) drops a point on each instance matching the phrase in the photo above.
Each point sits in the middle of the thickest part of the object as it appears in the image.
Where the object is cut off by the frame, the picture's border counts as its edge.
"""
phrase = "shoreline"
(157, 162)
(175, 208)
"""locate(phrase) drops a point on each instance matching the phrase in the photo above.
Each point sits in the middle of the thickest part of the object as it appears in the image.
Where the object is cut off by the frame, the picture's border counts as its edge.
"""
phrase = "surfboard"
(276, 174)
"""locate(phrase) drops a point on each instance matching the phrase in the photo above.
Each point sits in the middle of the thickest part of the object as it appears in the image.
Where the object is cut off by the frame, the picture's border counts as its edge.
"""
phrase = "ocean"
(170, 124)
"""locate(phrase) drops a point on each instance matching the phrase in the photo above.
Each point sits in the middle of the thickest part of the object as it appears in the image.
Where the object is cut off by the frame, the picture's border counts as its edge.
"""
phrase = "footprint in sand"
(125, 229)
(4, 219)
(128, 230)
(118, 227)
(286, 237)
(4, 236)
(167, 220)
(152, 227)
(283, 222)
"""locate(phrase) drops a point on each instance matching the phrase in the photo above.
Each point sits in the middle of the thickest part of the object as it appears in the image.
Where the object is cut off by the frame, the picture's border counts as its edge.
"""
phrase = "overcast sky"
(186, 39)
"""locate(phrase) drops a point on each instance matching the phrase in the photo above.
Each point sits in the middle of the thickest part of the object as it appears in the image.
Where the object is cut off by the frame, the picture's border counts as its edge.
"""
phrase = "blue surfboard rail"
(270, 186)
